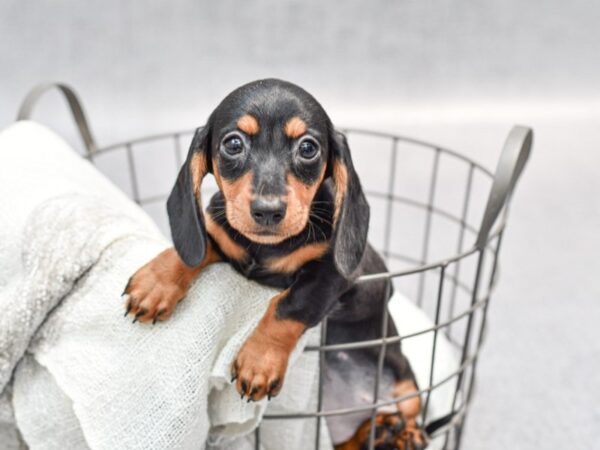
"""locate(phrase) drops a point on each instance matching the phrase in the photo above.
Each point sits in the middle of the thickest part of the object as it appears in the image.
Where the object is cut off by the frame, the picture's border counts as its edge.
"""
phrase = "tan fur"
(299, 200)
(410, 435)
(262, 360)
(248, 124)
(296, 259)
(167, 275)
(361, 436)
(294, 128)
(226, 244)
(198, 169)
(285, 332)
(340, 180)
(238, 196)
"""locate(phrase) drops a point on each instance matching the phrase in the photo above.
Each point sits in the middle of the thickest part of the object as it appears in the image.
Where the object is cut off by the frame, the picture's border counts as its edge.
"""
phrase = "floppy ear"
(184, 206)
(351, 210)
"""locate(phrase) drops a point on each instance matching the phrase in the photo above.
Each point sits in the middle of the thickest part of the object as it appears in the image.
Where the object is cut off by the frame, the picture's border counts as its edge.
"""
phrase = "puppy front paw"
(259, 368)
(152, 293)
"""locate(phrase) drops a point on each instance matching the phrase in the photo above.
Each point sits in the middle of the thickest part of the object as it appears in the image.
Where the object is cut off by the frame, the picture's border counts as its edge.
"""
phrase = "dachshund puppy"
(290, 213)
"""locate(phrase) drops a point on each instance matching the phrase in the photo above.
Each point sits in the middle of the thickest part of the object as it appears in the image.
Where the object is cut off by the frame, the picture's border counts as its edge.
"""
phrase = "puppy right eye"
(233, 145)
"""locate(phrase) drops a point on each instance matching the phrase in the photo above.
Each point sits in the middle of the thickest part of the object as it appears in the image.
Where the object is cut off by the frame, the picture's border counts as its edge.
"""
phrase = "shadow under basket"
(437, 217)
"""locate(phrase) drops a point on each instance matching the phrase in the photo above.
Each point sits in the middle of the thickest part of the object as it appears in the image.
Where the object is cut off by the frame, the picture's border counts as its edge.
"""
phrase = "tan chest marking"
(226, 244)
(291, 262)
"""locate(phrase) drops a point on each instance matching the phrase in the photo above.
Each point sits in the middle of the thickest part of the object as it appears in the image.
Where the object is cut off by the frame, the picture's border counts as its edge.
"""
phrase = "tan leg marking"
(361, 437)
(398, 429)
(156, 288)
(260, 365)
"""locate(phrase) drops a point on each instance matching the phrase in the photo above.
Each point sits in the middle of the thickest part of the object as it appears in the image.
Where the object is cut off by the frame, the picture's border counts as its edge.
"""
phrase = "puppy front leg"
(261, 363)
(155, 289)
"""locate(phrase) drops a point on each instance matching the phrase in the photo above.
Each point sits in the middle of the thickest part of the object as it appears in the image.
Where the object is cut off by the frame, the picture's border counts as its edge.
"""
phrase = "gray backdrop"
(458, 73)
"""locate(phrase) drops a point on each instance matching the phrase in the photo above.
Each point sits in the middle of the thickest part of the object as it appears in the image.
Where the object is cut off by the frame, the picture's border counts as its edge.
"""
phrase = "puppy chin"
(268, 239)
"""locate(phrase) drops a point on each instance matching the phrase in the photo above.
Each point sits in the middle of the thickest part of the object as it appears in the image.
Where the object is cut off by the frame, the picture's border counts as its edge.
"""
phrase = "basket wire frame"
(478, 288)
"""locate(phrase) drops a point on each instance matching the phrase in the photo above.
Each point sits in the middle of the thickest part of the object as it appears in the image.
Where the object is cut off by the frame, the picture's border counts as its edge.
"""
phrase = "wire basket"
(438, 218)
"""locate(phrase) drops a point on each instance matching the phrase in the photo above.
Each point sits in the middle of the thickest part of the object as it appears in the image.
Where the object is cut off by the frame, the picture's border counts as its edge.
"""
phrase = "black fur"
(185, 218)
(350, 237)
(321, 287)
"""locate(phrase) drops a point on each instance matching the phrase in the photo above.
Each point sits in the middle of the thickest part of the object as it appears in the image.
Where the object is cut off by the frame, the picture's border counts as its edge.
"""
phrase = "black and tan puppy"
(290, 213)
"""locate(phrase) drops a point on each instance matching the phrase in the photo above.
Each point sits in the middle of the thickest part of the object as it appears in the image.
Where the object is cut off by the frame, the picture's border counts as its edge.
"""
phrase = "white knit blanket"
(76, 374)
(86, 376)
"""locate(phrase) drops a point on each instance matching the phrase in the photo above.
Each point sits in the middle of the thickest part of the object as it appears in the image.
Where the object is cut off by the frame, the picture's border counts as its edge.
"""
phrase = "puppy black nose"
(267, 211)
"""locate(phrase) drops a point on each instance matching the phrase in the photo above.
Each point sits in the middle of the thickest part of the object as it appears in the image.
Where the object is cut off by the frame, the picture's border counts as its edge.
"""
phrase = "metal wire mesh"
(450, 275)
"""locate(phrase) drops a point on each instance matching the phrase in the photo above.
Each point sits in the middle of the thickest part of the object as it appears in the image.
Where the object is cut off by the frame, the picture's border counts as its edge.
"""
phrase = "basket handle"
(31, 99)
(510, 165)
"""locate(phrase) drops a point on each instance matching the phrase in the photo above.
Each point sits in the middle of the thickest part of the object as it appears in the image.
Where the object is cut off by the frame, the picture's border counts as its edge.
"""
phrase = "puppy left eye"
(233, 145)
(308, 150)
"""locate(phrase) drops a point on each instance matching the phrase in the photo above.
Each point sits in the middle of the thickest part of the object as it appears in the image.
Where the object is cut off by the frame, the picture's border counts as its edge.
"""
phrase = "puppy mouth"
(265, 237)
(265, 233)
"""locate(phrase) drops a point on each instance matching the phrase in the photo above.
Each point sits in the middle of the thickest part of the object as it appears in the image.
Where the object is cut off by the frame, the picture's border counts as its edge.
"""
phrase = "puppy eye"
(308, 150)
(233, 145)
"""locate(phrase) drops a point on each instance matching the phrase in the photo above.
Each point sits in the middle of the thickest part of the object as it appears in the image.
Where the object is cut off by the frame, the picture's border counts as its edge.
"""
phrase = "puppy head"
(270, 146)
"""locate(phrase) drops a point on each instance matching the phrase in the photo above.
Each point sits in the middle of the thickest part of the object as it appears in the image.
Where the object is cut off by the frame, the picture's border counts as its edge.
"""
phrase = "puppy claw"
(139, 314)
(253, 392)
(126, 287)
(272, 388)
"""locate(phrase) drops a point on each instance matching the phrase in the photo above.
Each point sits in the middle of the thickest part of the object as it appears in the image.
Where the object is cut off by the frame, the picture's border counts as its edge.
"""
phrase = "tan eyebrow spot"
(248, 124)
(295, 127)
